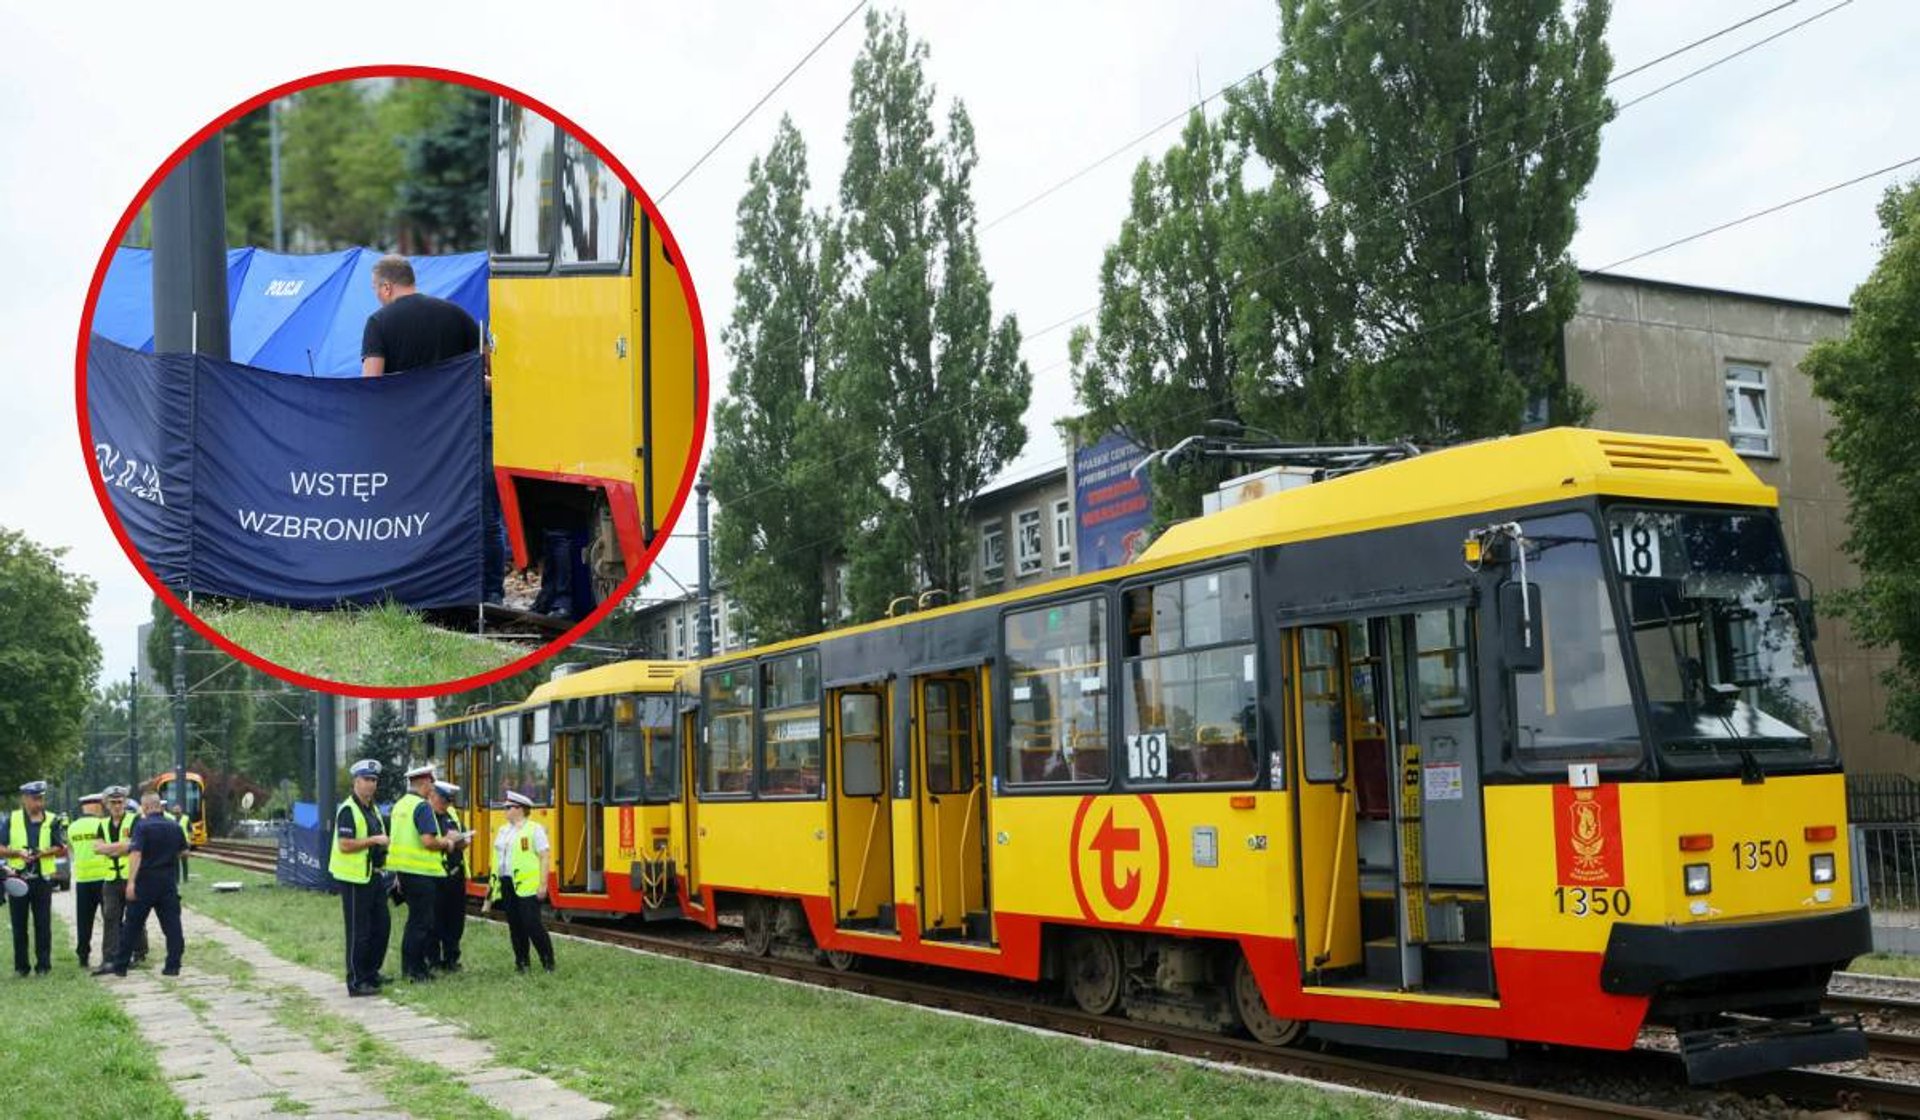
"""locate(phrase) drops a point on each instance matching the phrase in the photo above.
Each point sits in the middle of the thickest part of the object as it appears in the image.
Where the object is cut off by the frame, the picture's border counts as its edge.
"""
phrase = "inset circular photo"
(392, 381)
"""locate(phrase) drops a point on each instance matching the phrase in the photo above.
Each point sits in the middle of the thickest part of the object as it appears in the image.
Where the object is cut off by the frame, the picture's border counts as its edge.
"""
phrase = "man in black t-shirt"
(412, 330)
(154, 858)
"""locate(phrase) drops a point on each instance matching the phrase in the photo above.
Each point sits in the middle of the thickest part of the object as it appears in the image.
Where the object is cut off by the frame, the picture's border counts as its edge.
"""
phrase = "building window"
(679, 636)
(1028, 547)
(1749, 422)
(993, 553)
(1062, 533)
(353, 718)
(734, 638)
(660, 640)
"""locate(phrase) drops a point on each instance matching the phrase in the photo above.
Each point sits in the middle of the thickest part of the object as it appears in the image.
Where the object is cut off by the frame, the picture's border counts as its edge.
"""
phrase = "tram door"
(948, 754)
(1321, 746)
(690, 804)
(479, 793)
(862, 810)
(580, 857)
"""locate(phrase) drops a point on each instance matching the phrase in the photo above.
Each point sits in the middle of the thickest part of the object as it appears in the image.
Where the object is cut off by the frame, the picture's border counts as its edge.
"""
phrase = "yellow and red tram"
(1515, 741)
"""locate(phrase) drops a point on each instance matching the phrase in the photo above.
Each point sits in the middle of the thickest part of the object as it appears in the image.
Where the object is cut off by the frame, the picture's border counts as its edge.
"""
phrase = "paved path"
(225, 1055)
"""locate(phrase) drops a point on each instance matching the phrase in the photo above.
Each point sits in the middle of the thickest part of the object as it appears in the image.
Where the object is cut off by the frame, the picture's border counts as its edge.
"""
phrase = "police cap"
(366, 768)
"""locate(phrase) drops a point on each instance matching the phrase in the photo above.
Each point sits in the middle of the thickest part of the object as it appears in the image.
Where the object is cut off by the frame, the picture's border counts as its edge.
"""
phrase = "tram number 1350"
(1592, 902)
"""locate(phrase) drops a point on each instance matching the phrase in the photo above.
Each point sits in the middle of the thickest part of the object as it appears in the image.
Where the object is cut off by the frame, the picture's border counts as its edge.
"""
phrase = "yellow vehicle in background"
(596, 363)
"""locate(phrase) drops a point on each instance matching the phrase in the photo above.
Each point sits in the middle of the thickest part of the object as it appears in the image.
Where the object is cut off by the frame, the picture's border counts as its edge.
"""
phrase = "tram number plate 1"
(1592, 902)
(1147, 755)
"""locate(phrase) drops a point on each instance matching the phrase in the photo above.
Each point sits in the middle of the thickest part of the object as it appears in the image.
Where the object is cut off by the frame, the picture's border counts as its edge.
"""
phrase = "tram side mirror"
(1521, 645)
(1803, 609)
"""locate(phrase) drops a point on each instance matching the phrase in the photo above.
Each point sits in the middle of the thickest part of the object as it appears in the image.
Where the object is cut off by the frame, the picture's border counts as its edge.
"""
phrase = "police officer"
(521, 857)
(179, 817)
(153, 886)
(116, 834)
(360, 842)
(417, 854)
(89, 869)
(35, 839)
(450, 918)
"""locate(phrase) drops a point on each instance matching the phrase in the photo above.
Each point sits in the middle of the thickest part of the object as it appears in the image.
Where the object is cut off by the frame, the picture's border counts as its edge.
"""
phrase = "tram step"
(1744, 1047)
(1383, 961)
(1459, 966)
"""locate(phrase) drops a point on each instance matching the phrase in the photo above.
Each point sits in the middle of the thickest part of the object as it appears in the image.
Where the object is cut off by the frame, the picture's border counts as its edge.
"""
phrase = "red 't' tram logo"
(1126, 856)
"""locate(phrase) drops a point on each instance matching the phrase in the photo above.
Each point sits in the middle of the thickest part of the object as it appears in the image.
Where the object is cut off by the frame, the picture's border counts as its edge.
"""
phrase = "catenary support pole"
(703, 625)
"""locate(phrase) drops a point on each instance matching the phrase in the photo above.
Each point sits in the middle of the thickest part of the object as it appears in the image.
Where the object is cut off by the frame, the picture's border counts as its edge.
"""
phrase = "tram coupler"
(1744, 1047)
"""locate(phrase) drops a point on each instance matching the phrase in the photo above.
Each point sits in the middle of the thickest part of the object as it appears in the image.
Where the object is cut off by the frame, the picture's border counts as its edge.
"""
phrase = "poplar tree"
(48, 658)
(1451, 140)
(930, 385)
(1867, 378)
(774, 468)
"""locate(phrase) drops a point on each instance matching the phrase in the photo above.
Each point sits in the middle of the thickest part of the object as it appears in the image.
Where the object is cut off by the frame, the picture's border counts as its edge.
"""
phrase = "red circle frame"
(344, 688)
(1165, 862)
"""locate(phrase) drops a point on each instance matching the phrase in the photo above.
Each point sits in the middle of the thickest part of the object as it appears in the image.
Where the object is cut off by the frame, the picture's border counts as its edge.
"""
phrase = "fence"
(1882, 799)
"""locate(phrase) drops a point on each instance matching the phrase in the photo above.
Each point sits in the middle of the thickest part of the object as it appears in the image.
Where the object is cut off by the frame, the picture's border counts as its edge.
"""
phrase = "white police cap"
(114, 792)
(366, 768)
(92, 798)
(34, 789)
(520, 799)
(424, 770)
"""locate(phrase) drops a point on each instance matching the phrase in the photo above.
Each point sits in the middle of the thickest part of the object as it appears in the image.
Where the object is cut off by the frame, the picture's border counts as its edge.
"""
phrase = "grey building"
(1676, 360)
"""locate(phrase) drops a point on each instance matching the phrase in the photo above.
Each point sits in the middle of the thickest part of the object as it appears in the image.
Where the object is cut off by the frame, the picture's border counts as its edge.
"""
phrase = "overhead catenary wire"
(1210, 406)
(1183, 114)
(1239, 282)
(764, 98)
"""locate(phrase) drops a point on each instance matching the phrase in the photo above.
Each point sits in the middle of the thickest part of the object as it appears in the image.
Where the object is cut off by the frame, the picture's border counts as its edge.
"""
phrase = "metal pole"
(324, 762)
(703, 626)
(133, 729)
(190, 256)
(180, 712)
(273, 145)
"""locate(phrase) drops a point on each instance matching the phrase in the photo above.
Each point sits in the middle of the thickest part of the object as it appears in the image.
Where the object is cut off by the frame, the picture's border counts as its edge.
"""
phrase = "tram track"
(1399, 1078)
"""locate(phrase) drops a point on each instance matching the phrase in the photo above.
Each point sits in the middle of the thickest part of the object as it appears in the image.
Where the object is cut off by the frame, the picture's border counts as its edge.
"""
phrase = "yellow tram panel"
(562, 384)
(779, 847)
(674, 377)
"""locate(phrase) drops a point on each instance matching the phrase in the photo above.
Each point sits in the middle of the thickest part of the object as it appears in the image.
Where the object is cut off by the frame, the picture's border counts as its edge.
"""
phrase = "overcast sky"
(91, 102)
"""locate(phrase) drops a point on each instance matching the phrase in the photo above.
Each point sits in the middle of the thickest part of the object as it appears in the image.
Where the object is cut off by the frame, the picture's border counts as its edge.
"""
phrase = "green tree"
(1867, 378)
(444, 132)
(48, 658)
(385, 740)
(932, 384)
(1451, 140)
(247, 157)
(220, 701)
(340, 168)
(774, 472)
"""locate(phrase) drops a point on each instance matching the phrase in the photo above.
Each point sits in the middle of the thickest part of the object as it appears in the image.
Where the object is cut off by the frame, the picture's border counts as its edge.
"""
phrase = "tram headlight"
(1823, 867)
(1699, 878)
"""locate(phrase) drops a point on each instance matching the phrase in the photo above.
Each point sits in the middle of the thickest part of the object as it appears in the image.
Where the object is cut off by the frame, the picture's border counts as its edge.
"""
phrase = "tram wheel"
(1093, 972)
(604, 557)
(1251, 1006)
(756, 920)
(842, 961)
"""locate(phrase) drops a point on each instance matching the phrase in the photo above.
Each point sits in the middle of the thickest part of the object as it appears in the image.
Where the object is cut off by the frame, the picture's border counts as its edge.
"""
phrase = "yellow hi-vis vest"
(82, 835)
(116, 866)
(405, 853)
(351, 867)
(522, 862)
(455, 862)
(17, 840)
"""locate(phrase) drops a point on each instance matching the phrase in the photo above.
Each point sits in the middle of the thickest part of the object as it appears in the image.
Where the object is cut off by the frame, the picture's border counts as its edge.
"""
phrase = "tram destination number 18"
(1592, 902)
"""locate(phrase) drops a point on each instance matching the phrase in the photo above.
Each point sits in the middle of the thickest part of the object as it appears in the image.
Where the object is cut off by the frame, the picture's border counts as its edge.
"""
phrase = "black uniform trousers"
(524, 926)
(159, 896)
(113, 913)
(36, 904)
(422, 894)
(86, 904)
(363, 906)
(449, 921)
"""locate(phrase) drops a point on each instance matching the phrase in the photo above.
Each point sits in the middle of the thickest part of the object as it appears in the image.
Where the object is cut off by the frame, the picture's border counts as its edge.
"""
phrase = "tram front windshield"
(1725, 663)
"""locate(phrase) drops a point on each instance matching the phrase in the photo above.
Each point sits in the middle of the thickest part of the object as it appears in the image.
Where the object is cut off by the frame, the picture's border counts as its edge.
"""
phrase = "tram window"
(1441, 644)
(726, 758)
(644, 759)
(1323, 704)
(593, 205)
(860, 756)
(506, 756)
(1057, 693)
(1190, 708)
(1579, 706)
(536, 769)
(523, 220)
(949, 733)
(790, 755)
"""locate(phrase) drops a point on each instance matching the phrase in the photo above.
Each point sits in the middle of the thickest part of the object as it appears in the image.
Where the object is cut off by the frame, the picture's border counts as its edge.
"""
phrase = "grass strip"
(1887, 964)
(68, 1050)
(653, 1036)
(385, 645)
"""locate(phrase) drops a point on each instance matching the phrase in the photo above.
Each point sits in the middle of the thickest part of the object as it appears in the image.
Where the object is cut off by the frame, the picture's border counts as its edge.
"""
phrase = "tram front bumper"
(1644, 960)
